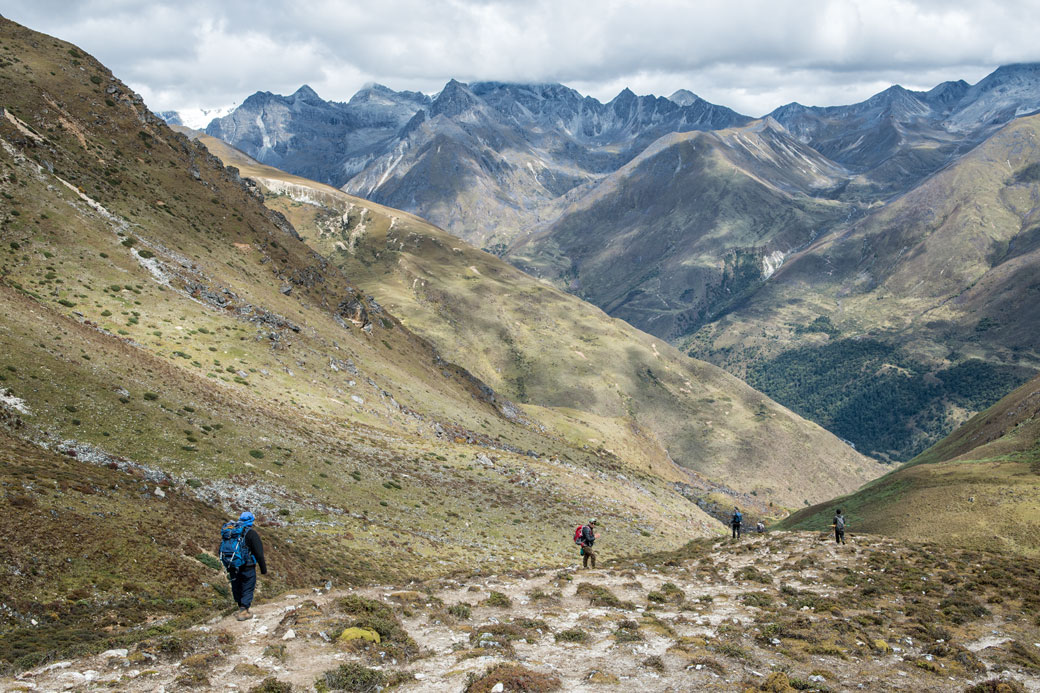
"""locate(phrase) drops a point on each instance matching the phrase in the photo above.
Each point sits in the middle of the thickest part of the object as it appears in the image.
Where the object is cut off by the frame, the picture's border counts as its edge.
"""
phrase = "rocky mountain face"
(486, 160)
(312, 137)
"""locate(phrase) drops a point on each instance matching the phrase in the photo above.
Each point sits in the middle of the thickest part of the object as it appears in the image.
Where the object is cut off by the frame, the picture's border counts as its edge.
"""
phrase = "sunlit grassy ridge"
(593, 379)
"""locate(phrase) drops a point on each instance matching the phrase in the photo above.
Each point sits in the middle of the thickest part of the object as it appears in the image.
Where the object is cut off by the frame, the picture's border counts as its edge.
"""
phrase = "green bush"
(353, 677)
(209, 561)
(271, 685)
(498, 599)
(572, 635)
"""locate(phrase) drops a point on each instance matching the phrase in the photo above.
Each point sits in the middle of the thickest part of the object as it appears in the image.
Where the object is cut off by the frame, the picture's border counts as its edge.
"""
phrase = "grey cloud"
(749, 55)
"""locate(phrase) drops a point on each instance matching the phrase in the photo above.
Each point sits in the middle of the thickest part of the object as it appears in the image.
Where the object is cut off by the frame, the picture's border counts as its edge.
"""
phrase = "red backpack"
(577, 534)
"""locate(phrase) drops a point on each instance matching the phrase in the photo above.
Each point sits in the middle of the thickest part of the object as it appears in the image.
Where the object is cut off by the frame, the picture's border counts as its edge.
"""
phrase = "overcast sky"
(751, 56)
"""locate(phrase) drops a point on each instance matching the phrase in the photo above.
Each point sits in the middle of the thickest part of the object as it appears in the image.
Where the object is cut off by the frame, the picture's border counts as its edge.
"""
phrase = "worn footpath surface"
(776, 612)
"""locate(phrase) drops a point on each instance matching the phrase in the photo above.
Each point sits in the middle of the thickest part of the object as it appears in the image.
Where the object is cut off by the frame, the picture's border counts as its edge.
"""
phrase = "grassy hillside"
(161, 322)
(942, 282)
(977, 488)
(593, 380)
(93, 551)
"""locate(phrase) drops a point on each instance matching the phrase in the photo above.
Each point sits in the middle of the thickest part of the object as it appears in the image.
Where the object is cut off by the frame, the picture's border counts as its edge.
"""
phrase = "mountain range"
(528, 144)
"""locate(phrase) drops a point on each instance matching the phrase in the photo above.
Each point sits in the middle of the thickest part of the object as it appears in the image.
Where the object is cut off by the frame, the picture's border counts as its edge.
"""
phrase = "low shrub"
(572, 635)
(352, 677)
(513, 677)
(498, 599)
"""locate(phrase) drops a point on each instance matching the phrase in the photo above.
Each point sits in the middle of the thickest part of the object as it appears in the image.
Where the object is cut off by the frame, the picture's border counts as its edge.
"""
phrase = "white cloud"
(750, 55)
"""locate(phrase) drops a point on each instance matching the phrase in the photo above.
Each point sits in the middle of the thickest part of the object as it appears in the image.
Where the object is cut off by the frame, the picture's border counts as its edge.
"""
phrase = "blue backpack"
(737, 518)
(234, 553)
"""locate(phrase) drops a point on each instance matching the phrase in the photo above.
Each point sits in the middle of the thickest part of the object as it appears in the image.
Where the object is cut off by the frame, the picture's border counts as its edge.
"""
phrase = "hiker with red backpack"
(241, 551)
(585, 536)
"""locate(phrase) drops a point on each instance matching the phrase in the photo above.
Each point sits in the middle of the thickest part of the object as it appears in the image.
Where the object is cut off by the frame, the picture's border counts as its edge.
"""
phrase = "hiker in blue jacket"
(243, 579)
(736, 521)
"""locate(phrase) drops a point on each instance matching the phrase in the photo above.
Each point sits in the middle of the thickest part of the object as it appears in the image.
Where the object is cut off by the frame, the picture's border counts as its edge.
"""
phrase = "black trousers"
(736, 530)
(243, 583)
(839, 535)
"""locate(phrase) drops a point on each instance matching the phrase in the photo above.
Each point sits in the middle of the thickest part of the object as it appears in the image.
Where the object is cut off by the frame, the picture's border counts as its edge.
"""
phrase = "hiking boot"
(243, 615)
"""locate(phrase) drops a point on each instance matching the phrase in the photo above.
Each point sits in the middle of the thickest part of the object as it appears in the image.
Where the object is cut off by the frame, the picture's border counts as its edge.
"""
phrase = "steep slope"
(161, 322)
(606, 383)
(892, 140)
(894, 330)
(977, 488)
(689, 227)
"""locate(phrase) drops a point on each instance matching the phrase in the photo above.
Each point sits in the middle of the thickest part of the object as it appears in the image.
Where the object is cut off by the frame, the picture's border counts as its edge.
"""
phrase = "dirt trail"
(723, 619)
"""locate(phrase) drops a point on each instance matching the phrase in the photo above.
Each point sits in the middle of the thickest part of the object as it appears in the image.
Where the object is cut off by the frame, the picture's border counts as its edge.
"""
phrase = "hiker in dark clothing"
(839, 527)
(588, 538)
(243, 580)
(736, 521)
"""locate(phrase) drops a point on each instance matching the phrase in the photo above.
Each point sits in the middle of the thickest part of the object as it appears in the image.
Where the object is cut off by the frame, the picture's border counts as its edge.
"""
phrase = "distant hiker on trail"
(760, 527)
(241, 551)
(588, 538)
(839, 527)
(736, 521)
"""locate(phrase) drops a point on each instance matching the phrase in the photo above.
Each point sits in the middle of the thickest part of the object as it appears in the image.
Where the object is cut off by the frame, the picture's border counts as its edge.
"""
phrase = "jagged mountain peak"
(896, 101)
(454, 99)
(684, 97)
(947, 92)
(305, 92)
(380, 96)
(626, 95)
(375, 87)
